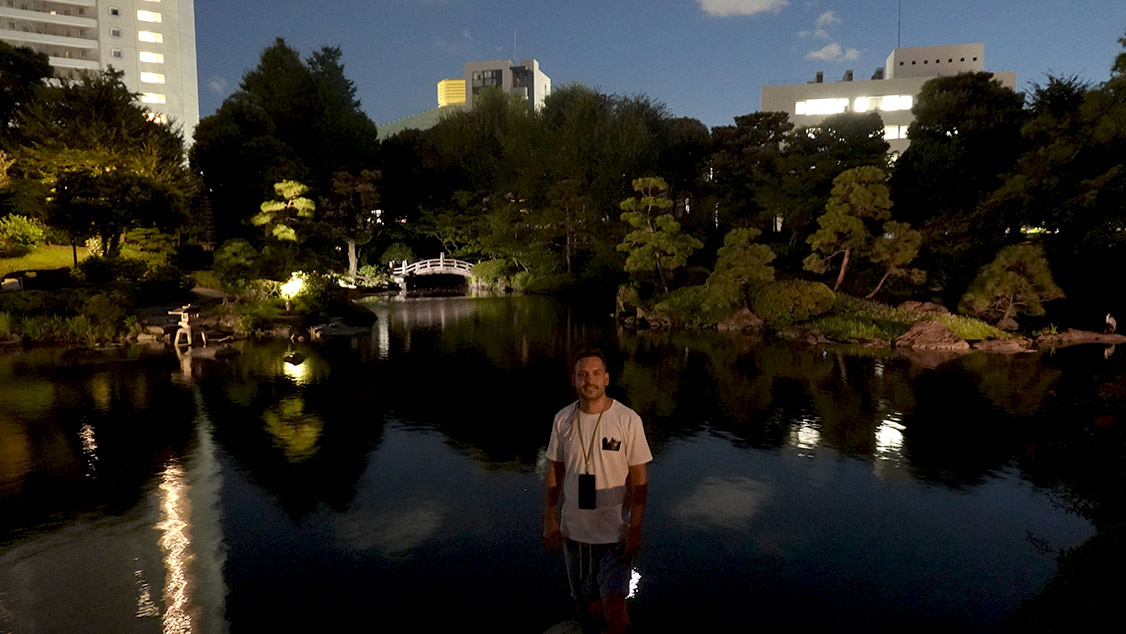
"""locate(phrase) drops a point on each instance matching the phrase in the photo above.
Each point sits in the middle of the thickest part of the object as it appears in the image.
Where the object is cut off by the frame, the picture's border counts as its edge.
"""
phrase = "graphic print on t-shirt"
(611, 444)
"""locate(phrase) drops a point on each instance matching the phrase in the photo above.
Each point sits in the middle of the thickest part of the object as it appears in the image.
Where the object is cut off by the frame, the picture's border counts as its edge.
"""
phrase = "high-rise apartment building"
(891, 91)
(151, 41)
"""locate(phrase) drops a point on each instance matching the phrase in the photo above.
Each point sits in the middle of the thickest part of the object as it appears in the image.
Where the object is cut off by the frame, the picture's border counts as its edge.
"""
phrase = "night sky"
(706, 59)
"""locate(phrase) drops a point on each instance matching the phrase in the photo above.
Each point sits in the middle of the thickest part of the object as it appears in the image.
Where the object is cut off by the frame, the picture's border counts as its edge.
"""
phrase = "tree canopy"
(290, 119)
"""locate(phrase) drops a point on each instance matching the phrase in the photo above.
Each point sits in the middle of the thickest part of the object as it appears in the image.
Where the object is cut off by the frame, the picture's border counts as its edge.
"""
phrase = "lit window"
(152, 78)
(149, 36)
(821, 106)
(153, 97)
(886, 103)
(152, 58)
(162, 119)
(894, 132)
(148, 16)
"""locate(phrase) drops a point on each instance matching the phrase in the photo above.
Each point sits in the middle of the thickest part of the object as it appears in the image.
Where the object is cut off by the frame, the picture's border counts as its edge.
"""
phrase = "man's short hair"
(590, 352)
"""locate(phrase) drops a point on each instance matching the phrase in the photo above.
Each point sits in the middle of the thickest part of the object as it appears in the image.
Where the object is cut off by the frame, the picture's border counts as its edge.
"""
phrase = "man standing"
(599, 453)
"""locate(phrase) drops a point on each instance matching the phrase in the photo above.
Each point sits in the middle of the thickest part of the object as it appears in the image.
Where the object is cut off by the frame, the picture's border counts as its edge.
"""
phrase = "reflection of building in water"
(95, 574)
(382, 334)
(805, 435)
(889, 444)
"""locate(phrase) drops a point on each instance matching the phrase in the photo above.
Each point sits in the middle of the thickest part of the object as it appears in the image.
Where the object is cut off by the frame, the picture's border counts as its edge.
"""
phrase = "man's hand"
(631, 541)
(552, 535)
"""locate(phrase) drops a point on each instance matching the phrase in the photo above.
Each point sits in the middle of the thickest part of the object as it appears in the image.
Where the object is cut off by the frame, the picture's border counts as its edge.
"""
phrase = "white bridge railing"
(433, 266)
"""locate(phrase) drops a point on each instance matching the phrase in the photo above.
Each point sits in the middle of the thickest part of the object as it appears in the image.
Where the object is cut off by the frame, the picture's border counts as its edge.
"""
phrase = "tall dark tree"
(965, 138)
(21, 71)
(1071, 183)
(812, 158)
(746, 156)
(350, 211)
(291, 119)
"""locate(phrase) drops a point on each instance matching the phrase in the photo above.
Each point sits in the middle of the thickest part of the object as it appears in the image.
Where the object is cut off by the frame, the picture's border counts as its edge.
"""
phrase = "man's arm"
(553, 479)
(638, 485)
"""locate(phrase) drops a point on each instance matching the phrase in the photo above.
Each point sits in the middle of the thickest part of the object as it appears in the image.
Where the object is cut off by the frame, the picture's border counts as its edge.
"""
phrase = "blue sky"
(706, 59)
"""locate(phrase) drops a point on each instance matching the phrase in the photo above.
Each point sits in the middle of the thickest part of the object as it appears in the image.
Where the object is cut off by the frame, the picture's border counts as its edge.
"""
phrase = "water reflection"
(805, 436)
(175, 542)
(295, 431)
(900, 496)
(393, 533)
(727, 503)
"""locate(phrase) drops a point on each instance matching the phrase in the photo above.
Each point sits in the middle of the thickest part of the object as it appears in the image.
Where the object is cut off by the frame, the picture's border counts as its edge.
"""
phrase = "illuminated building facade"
(151, 41)
(524, 79)
(891, 91)
(451, 92)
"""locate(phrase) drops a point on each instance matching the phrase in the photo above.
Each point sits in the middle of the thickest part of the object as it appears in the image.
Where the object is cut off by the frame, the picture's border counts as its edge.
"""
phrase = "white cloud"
(832, 52)
(724, 8)
(217, 84)
(826, 19)
(458, 45)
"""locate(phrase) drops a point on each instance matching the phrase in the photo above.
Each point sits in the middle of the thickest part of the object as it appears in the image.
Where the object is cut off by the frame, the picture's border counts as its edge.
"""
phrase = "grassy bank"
(50, 257)
(855, 319)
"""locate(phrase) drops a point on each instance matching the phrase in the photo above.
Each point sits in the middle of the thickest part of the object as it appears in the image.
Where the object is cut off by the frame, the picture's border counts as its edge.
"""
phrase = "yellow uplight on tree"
(296, 282)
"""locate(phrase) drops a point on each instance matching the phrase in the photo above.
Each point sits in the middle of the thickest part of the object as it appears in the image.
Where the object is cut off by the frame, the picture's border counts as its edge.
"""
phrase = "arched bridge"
(440, 265)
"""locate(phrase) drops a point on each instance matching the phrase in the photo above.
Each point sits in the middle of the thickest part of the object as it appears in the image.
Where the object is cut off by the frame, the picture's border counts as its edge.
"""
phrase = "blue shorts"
(596, 570)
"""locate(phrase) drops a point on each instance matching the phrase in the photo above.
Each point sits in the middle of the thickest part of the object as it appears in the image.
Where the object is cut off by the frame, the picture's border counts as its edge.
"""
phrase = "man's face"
(591, 378)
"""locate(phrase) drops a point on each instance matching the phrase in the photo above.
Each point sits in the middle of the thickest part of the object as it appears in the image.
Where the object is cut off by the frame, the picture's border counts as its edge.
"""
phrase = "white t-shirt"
(619, 443)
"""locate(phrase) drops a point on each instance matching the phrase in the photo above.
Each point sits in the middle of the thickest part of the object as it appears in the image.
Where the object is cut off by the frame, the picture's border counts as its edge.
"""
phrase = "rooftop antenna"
(515, 57)
(499, 49)
(899, 26)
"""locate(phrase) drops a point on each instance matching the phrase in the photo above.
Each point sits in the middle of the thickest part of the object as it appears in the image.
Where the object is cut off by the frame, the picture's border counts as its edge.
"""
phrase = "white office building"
(891, 90)
(524, 79)
(151, 41)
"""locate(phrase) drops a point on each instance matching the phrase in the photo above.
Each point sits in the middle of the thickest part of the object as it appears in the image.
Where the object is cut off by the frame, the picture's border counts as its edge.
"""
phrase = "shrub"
(104, 311)
(396, 253)
(372, 276)
(549, 284)
(19, 234)
(787, 302)
(5, 325)
(255, 316)
(206, 279)
(103, 273)
(682, 301)
(491, 272)
(235, 262)
(522, 280)
(149, 246)
(35, 303)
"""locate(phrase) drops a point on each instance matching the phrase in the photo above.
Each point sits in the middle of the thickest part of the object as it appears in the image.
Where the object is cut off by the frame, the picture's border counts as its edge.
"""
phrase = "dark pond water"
(399, 476)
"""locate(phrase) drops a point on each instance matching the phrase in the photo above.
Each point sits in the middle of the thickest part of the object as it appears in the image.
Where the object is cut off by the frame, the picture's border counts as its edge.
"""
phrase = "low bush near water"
(686, 304)
(787, 302)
